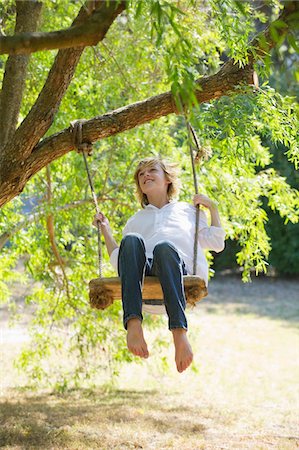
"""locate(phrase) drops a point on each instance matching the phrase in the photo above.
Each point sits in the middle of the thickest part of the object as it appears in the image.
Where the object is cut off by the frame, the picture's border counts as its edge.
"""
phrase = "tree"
(22, 154)
(177, 58)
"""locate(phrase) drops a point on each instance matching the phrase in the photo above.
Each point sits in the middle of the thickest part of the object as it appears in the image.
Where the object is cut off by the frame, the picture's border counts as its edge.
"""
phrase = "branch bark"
(83, 35)
(27, 17)
(120, 120)
(42, 114)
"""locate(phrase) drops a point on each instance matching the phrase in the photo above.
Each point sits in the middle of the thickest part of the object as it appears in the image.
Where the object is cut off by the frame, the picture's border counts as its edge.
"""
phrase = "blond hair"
(171, 173)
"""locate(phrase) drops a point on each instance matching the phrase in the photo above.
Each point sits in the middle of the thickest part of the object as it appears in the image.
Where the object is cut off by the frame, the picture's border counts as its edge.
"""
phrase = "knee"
(132, 239)
(164, 249)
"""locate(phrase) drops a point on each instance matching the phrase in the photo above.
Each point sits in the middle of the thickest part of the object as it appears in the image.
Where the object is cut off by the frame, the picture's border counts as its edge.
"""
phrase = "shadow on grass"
(264, 296)
(89, 419)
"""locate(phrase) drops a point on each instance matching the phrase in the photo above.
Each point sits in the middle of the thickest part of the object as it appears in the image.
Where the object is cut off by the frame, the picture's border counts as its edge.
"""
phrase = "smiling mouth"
(146, 181)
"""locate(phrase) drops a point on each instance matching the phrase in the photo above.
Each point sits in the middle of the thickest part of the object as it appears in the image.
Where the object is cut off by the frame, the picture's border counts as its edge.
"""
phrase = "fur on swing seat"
(103, 291)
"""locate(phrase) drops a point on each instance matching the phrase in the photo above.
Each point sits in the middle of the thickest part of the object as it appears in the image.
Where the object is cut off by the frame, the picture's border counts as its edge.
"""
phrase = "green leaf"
(292, 41)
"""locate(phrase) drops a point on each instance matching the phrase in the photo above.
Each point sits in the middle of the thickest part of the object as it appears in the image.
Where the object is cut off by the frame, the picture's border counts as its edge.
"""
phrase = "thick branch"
(131, 116)
(88, 33)
(42, 114)
(28, 14)
(120, 120)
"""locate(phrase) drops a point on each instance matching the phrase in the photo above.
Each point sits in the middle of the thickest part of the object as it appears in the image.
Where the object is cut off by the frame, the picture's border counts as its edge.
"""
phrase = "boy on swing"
(158, 241)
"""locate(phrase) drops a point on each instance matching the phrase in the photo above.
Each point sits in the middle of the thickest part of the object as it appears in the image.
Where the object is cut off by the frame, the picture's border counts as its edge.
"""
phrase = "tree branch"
(42, 114)
(208, 88)
(120, 120)
(28, 14)
(277, 30)
(83, 35)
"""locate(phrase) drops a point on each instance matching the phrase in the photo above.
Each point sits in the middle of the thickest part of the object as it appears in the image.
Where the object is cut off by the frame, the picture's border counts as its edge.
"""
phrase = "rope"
(191, 134)
(199, 155)
(86, 147)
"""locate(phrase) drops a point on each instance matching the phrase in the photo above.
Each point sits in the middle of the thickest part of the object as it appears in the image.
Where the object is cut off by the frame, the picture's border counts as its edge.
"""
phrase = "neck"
(157, 201)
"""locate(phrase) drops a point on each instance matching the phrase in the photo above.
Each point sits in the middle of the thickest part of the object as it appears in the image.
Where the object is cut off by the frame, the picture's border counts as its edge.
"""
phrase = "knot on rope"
(80, 146)
(200, 153)
(85, 148)
(195, 293)
(101, 297)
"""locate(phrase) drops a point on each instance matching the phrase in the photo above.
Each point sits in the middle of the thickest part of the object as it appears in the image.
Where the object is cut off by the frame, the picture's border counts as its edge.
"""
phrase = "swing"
(103, 291)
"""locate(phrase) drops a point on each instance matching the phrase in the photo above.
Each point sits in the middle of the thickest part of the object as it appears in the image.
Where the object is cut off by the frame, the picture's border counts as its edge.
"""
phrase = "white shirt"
(175, 222)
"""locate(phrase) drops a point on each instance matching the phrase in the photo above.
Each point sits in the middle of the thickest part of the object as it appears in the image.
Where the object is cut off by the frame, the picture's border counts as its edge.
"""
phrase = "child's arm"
(210, 237)
(110, 242)
(204, 200)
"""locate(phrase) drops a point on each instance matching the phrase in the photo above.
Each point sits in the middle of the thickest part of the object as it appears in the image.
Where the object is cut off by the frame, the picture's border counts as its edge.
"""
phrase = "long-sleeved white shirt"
(175, 222)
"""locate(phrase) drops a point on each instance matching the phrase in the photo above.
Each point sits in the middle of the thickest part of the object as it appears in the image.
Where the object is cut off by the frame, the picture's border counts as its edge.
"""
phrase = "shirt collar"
(163, 207)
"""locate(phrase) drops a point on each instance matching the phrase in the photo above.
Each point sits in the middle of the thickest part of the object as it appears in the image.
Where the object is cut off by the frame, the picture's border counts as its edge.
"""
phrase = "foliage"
(284, 235)
(284, 255)
(183, 42)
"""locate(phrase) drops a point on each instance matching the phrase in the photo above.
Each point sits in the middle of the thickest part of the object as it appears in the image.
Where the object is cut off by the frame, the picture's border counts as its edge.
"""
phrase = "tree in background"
(284, 235)
(126, 68)
(284, 77)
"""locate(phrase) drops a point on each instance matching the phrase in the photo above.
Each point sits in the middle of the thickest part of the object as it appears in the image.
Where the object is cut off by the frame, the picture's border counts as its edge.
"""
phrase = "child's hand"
(204, 200)
(102, 219)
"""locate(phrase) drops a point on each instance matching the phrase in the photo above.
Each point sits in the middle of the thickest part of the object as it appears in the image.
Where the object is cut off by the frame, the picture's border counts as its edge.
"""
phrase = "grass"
(243, 395)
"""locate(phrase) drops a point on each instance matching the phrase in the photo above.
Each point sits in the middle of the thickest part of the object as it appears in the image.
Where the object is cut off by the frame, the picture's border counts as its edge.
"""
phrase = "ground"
(241, 394)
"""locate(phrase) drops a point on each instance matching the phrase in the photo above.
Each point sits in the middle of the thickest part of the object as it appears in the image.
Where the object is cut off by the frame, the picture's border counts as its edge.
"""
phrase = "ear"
(168, 184)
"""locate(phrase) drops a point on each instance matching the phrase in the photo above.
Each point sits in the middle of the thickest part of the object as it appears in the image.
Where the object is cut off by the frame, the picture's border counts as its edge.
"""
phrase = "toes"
(141, 352)
(145, 353)
(184, 364)
(179, 366)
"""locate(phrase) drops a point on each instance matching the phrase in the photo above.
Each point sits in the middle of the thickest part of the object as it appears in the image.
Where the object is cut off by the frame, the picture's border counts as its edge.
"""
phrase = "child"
(158, 240)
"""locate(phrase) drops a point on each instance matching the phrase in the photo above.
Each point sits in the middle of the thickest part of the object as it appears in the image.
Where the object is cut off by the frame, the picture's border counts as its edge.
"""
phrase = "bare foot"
(135, 339)
(183, 350)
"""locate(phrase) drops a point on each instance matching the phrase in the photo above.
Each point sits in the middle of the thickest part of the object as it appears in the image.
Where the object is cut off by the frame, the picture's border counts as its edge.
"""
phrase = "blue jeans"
(166, 264)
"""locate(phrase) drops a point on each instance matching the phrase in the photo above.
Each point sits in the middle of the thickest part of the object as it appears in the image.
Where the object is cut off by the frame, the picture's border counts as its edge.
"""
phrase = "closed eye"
(153, 169)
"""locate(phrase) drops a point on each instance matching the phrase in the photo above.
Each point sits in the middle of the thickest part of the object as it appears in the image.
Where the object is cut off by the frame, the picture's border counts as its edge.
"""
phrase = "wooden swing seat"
(103, 291)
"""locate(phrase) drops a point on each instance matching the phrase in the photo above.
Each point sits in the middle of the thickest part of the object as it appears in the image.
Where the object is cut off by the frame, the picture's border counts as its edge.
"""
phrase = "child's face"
(152, 179)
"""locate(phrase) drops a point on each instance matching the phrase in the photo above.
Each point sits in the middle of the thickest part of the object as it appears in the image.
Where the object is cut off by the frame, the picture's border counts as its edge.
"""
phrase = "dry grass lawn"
(244, 394)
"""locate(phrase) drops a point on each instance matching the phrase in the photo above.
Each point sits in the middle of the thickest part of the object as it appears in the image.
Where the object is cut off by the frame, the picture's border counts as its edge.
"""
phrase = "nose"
(146, 173)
